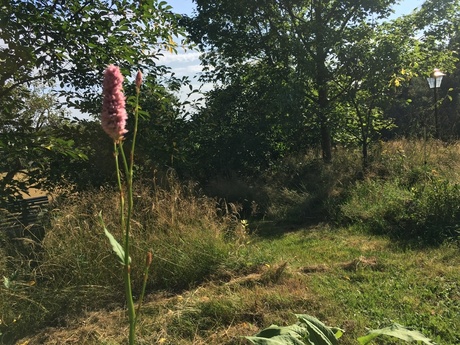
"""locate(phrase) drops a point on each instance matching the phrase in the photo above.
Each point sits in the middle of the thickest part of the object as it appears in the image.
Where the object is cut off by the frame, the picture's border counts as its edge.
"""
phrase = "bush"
(428, 212)
(377, 206)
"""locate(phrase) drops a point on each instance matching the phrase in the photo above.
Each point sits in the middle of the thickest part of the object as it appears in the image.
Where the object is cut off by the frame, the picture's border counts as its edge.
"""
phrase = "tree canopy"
(64, 46)
(311, 37)
(69, 43)
(337, 53)
(289, 76)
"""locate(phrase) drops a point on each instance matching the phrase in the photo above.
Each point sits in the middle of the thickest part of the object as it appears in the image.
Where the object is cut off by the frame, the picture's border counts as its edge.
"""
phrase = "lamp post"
(435, 82)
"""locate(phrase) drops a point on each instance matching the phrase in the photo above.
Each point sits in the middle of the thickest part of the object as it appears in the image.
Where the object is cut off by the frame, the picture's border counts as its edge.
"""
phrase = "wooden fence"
(22, 215)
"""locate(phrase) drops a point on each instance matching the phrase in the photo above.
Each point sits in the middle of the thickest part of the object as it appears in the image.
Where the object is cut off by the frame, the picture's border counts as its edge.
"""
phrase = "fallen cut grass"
(345, 279)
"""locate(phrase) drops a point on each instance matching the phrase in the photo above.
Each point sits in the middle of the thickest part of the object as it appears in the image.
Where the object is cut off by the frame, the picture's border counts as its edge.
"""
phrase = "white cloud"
(187, 57)
(183, 63)
(189, 70)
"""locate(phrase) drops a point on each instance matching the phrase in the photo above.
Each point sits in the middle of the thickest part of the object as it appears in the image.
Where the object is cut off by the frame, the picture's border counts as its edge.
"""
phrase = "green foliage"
(396, 331)
(30, 142)
(117, 247)
(250, 123)
(428, 211)
(309, 330)
(65, 46)
(73, 175)
(73, 41)
(346, 67)
(365, 72)
(164, 132)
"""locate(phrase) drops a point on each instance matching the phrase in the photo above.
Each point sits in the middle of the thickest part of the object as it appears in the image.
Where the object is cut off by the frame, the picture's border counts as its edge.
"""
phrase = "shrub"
(376, 205)
(428, 212)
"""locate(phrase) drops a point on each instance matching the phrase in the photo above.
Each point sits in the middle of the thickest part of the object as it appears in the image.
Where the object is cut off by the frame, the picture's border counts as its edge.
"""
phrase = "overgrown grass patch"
(427, 213)
(76, 266)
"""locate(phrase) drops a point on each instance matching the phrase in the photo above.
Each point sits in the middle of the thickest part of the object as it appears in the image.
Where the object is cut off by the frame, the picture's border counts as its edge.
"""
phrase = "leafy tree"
(346, 57)
(433, 30)
(70, 42)
(163, 127)
(250, 123)
(307, 35)
(73, 174)
(162, 142)
(29, 122)
(372, 79)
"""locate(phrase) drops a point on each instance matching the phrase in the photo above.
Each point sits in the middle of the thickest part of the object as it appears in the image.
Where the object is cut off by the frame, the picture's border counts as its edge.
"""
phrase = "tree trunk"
(321, 84)
(365, 156)
(326, 142)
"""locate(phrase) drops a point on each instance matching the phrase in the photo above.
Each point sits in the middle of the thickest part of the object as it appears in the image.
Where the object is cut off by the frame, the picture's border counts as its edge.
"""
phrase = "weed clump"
(408, 200)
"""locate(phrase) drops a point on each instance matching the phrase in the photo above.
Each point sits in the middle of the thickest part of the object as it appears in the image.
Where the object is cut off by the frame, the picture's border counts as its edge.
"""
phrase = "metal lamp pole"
(435, 82)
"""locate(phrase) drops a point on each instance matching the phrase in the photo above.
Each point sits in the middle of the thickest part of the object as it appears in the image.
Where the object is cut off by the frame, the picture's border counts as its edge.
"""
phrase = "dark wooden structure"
(24, 215)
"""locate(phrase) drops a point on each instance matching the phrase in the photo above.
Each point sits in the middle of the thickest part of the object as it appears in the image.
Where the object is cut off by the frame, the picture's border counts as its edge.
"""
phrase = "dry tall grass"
(189, 236)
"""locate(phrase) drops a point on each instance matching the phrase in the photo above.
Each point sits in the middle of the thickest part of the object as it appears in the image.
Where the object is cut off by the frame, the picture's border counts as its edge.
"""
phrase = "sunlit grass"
(215, 279)
(346, 279)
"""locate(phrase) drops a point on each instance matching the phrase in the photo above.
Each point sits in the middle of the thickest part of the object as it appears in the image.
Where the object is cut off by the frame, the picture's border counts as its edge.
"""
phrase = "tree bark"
(321, 84)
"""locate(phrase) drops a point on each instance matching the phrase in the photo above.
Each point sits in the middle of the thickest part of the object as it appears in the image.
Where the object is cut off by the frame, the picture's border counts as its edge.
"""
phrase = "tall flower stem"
(129, 170)
(120, 187)
(118, 148)
(113, 121)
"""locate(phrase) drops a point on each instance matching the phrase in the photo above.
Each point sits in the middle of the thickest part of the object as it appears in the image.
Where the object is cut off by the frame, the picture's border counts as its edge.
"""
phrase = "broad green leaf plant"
(113, 120)
(310, 331)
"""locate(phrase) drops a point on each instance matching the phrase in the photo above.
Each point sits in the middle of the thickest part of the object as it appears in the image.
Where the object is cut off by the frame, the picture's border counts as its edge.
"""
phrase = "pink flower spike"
(114, 115)
(138, 80)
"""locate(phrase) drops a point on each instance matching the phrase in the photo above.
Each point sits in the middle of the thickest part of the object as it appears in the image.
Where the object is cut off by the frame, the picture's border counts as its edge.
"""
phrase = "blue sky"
(186, 6)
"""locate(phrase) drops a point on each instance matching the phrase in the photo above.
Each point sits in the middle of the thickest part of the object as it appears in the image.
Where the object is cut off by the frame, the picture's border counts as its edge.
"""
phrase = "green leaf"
(338, 332)
(279, 340)
(117, 247)
(276, 335)
(396, 331)
(275, 330)
(319, 333)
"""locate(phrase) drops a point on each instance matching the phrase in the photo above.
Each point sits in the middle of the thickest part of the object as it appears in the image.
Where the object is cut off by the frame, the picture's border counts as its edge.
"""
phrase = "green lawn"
(345, 279)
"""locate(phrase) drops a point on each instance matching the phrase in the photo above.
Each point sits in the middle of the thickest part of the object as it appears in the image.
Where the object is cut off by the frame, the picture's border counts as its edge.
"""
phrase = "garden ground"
(346, 279)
